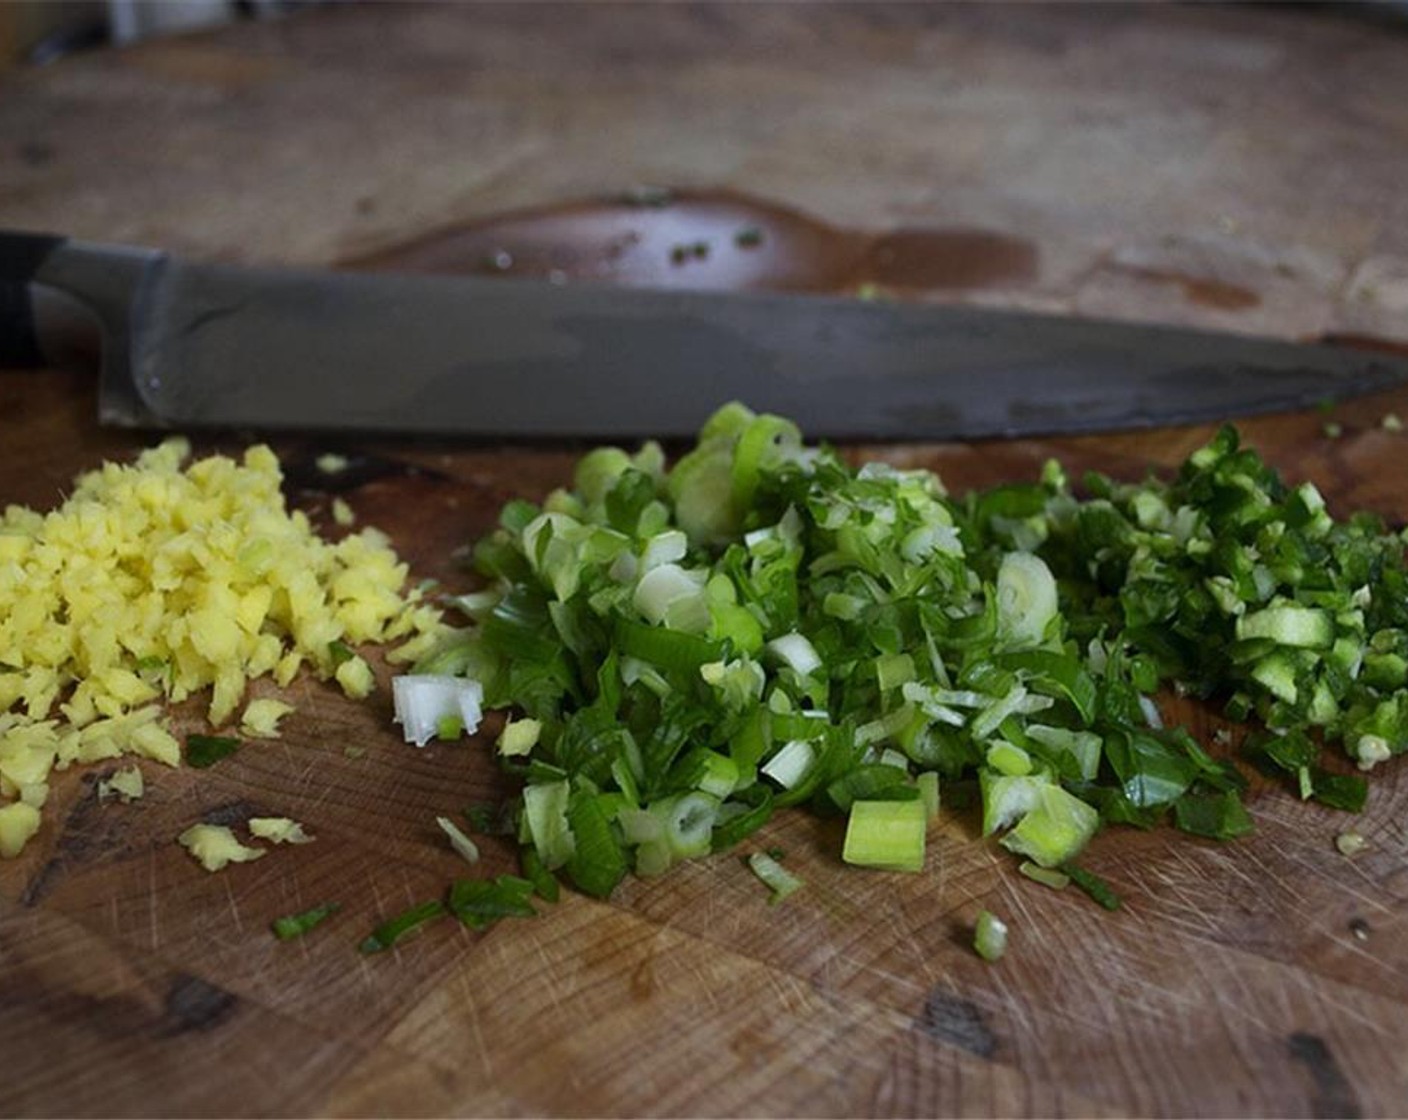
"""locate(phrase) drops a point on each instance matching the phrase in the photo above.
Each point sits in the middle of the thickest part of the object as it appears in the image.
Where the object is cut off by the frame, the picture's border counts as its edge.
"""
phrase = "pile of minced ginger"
(154, 581)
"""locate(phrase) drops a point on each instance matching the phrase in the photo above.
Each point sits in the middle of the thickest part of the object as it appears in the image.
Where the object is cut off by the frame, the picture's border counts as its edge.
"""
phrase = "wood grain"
(1182, 164)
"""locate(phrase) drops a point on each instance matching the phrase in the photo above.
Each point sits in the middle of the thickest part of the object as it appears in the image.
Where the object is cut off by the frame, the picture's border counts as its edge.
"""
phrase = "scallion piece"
(206, 750)
(479, 903)
(928, 785)
(1096, 887)
(393, 930)
(886, 834)
(776, 877)
(296, 925)
(1046, 876)
(458, 840)
(990, 936)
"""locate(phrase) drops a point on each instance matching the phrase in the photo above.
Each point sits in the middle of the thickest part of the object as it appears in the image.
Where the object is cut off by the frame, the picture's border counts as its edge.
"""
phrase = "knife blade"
(191, 345)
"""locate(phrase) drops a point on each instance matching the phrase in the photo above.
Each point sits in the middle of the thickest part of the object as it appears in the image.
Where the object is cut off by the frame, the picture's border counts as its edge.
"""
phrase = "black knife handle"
(21, 255)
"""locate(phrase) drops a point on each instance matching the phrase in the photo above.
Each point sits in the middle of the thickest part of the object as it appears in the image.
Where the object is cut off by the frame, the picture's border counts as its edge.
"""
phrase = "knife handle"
(21, 256)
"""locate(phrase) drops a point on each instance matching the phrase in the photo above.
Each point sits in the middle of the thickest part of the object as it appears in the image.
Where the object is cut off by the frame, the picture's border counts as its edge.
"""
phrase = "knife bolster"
(21, 255)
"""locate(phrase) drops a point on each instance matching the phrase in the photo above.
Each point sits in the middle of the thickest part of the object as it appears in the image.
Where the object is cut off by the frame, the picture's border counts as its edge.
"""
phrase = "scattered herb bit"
(777, 853)
(339, 651)
(393, 930)
(1046, 876)
(296, 925)
(479, 903)
(1332, 429)
(1096, 887)
(777, 878)
(749, 237)
(458, 840)
(207, 750)
(1350, 843)
(497, 819)
(990, 936)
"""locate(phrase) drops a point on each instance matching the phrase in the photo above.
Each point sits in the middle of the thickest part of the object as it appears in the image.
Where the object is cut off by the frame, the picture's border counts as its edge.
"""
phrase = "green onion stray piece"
(296, 925)
(392, 930)
(990, 936)
(1096, 887)
(479, 903)
(207, 750)
(776, 877)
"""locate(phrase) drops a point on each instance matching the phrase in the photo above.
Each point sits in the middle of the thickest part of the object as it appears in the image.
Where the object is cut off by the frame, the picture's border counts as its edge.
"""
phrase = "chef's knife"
(187, 345)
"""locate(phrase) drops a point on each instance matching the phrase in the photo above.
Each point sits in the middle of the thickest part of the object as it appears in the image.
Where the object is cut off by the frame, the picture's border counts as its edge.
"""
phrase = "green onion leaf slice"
(394, 929)
(206, 750)
(296, 925)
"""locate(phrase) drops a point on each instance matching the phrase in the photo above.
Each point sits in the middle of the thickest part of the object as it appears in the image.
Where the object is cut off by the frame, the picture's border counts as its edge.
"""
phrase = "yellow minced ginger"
(154, 582)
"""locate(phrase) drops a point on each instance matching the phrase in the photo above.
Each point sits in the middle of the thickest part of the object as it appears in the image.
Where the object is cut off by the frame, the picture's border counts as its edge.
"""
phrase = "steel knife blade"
(194, 345)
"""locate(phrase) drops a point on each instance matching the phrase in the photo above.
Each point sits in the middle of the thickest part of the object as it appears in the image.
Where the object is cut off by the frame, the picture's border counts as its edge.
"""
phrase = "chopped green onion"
(1026, 598)
(781, 881)
(206, 750)
(458, 840)
(688, 822)
(796, 652)
(1046, 876)
(545, 811)
(886, 834)
(545, 885)
(1096, 887)
(423, 701)
(296, 925)
(479, 903)
(519, 737)
(393, 930)
(791, 764)
(763, 624)
(990, 936)
(490, 820)
(928, 785)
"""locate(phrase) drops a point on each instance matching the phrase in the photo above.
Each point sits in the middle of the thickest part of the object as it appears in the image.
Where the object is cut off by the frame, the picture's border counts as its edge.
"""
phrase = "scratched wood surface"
(1181, 164)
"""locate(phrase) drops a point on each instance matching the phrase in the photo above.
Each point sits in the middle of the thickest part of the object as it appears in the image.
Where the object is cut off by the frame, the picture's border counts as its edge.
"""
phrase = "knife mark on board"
(1334, 1095)
(949, 1017)
(193, 1004)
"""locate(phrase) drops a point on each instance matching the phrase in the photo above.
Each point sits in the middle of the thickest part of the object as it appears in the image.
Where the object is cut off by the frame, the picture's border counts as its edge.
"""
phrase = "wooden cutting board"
(1177, 164)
